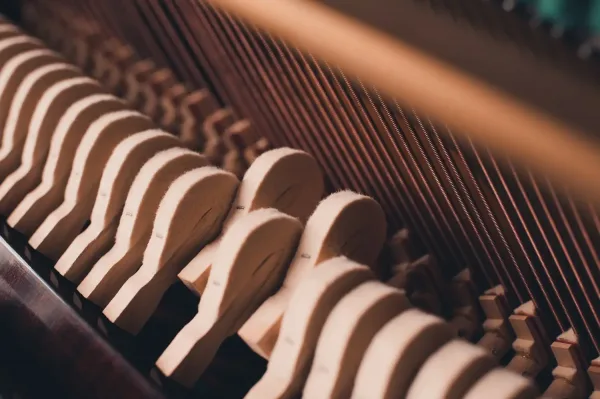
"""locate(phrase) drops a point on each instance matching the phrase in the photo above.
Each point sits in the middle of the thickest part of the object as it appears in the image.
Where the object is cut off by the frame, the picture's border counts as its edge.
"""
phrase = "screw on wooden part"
(194, 109)
(423, 283)
(594, 374)
(140, 71)
(465, 312)
(152, 89)
(214, 126)
(252, 152)
(168, 116)
(570, 378)
(498, 334)
(236, 138)
(530, 346)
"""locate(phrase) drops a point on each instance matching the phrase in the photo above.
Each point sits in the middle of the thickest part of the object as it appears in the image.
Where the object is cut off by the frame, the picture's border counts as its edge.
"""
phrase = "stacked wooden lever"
(126, 209)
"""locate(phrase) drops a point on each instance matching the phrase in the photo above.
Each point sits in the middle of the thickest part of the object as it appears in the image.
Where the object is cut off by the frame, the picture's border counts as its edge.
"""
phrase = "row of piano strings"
(524, 320)
(510, 227)
(468, 208)
(123, 209)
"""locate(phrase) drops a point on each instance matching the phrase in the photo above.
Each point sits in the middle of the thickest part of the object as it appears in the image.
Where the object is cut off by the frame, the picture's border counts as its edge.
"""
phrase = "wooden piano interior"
(280, 199)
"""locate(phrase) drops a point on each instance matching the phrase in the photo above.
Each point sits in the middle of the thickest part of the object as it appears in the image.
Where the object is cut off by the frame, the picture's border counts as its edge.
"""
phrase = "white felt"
(285, 179)
(36, 205)
(396, 353)
(135, 226)
(344, 223)
(302, 324)
(191, 213)
(451, 371)
(249, 264)
(349, 329)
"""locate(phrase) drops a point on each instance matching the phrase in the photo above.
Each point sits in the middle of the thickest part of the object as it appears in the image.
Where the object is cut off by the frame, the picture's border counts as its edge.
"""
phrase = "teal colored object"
(594, 18)
(567, 14)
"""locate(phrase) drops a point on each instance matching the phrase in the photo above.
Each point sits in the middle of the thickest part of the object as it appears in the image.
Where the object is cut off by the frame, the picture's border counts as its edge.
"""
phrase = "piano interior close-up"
(276, 199)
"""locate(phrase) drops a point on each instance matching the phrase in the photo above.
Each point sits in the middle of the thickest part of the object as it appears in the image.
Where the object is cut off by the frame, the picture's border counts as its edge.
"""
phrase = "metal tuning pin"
(344, 223)
(302, 323)
(498, 334)
(134, 230)
(285, 179)
(249, 265)
(346, 335)
(188, 217)
(121, 168)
